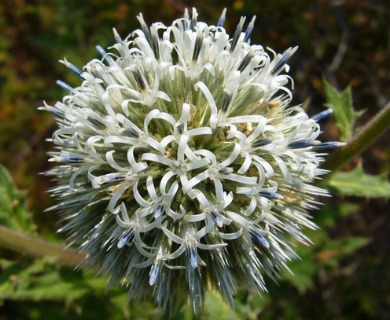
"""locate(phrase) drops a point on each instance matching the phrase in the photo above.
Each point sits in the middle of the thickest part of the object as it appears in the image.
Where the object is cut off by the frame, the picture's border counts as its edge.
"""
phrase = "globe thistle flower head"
(181, 164)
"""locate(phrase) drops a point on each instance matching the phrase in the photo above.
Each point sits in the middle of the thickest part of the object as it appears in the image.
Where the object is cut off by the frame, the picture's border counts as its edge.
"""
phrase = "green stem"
(360, 141)
(35, 247)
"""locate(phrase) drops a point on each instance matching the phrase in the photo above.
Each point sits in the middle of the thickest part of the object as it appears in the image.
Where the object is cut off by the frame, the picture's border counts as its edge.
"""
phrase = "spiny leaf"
(359, 184)
(341, 103)
(13, 213)
(41, 280)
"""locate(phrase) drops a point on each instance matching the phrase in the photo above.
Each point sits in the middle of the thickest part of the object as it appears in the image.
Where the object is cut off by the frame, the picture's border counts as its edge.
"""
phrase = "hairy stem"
(35, 247)
(360, 141)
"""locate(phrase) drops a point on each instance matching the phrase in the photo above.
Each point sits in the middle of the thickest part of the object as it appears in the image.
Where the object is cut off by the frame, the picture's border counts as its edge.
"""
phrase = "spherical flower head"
(181, 164)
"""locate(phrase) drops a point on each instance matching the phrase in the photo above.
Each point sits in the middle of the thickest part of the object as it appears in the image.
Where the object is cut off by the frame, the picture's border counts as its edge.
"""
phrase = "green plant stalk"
(35, 247)
(360, 141)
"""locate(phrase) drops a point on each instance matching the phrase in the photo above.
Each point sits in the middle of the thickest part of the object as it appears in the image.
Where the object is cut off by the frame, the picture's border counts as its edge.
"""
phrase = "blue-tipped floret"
(270, 195)
(193, 257)
(301, 144)
(328, 145)
(222, 19)
(72, 160)
(322, 115)
(261, 143)
(237, 34)
(217, 219)
(249, 30)
(153, 274)
(261, 240)
(74, 69)
(104, 54)
(64, 86)
(125, 238)
(282, 62)
(158, 212)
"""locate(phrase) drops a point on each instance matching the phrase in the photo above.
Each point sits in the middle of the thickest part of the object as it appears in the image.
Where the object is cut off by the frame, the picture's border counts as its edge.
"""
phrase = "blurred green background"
(346, 274)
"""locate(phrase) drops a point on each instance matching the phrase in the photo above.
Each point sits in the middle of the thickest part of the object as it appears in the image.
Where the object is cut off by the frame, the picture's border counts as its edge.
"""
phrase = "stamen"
(145, 29)
(158, 211)
(64, 86)
(72, 160)
(104, 54)
(237, 34)
(193, 257)
(96, 123)
(271, 195)
(217, 219)
(301, 144)
(180, 128)
(72, 68)
(225, 171)
(322, 115)
(227, 99)
(131, 133)
(222, 18)
(153, 274)
(194, 19)
(198, 46)
(139, 79)
(101, 51)
(328, 145)
(150, 38)
(282, 62)
(261, 240)
(155, 46)
(125, 238)
(244, 63)
(261, 143)
(186, 14)
(249, 30)
(112, 177)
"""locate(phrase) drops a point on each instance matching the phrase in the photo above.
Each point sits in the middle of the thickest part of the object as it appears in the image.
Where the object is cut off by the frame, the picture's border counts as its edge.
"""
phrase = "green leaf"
(328, 215)
(39, 280)
(335, 250)
(13, 212)
(326, 252)
(216, 308)
(303, 270)
(359, 184)
(341, 104)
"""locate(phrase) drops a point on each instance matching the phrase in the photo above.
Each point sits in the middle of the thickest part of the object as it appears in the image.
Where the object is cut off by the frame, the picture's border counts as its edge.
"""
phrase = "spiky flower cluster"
(181, 165)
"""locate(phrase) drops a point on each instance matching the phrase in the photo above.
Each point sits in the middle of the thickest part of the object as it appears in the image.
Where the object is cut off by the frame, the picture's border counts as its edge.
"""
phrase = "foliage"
(81, 294)
(13, 211)
(357, 183)
(341, 104)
